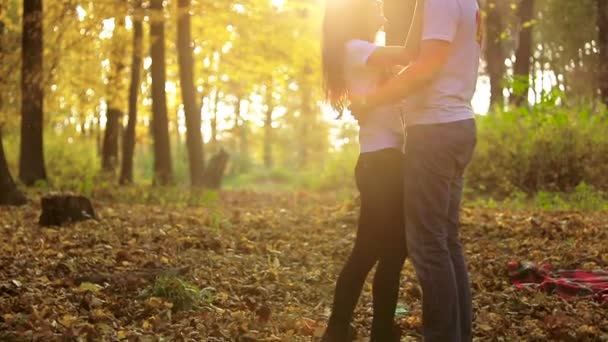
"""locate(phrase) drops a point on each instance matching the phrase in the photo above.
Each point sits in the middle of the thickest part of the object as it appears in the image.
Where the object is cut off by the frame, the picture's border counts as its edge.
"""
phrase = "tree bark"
(268, 127)
(109, 149)
(602, 23)
(241, 126)
(214, 131)
(495, 55)
(59, 209)
(163, 171)
(214, 172)
(306, 118)
(9, 193)
(128, 145)
(114, 114)
(194, 136)
(523, 54)
(31, 159)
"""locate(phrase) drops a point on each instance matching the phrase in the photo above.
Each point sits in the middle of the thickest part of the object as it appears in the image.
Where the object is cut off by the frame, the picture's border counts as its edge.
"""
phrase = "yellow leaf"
(155, 302)
(84, 287)
(68, 320)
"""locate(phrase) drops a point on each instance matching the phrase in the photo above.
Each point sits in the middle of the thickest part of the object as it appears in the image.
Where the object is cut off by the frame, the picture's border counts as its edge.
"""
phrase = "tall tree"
(9, 193)
(31, 159)
(109, 150)
(495, 55)
(194, 137)
(602, 23)
(268, 139)
(163, 171)
(128, 145)
(307, 116)
(213, 121)
(523, 54)
(241, 126)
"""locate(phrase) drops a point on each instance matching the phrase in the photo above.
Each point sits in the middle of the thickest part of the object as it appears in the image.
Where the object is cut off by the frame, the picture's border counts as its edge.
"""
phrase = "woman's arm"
(432, 58)
(388, 56)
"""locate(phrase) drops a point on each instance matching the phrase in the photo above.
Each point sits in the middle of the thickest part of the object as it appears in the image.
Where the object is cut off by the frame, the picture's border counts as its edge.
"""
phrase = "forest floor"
(261, 267)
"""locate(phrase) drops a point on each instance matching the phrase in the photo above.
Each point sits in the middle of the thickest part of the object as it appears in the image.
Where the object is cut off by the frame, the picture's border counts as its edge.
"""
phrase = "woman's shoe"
(393, 336)
(331, 335)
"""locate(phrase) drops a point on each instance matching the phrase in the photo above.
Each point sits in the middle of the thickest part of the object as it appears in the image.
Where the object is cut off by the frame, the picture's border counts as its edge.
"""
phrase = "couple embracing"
(410, 180)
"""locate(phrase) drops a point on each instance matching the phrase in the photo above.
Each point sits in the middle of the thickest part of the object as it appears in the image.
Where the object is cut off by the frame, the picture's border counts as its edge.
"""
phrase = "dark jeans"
(380, 240)
(435, 159)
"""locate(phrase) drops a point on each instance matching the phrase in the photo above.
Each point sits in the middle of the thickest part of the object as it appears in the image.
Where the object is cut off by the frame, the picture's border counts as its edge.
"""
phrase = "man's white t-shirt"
(383, 127)
(448, 97)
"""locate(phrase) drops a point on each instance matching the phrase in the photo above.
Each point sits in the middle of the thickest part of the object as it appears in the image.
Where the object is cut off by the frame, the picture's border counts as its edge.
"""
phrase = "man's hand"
(432, 58)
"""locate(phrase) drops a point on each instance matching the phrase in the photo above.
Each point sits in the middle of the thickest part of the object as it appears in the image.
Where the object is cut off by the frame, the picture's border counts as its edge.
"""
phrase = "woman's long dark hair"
(341, 23)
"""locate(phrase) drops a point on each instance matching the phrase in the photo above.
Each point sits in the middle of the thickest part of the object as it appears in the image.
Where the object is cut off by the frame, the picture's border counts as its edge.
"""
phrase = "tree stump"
(215, 169)
(58, 209)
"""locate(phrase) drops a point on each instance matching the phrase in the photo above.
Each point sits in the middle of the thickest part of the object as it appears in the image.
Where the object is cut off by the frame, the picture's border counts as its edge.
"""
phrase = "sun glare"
(278, 3)
(81, 13)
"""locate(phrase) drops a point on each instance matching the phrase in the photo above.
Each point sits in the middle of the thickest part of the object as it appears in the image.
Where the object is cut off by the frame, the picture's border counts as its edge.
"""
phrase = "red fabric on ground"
(565, 283)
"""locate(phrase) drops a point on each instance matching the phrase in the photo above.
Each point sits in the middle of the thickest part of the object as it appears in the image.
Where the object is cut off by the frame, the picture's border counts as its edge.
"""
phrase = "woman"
(353, 66)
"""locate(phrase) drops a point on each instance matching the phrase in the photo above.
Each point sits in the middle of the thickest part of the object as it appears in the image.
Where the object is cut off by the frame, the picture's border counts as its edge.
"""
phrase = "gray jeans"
(435, 160)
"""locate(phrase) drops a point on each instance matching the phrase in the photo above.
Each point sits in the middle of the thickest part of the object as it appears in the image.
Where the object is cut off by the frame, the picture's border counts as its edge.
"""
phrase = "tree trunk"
(31, 159)
(495, 56)
(602, 23)
(399, 15)
(114, 114)
(163, 171)
(523, 54)
(241, 126)
(216, 100)
(128, 145)
(194, 137)
(9, 193)
(214, 172)
(268, 127)
(306, 119)
(97, 124)
(109, 149)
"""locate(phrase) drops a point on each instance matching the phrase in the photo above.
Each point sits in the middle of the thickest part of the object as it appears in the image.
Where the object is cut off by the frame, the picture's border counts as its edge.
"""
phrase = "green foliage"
(72, 161)
(261, 178)
(182, 294)
(70, 164)
(582, 198)
(336, 172)
(540, 150)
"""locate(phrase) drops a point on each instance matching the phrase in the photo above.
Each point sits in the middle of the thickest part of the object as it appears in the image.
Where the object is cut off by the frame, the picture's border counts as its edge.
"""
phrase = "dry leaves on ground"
(261, 267)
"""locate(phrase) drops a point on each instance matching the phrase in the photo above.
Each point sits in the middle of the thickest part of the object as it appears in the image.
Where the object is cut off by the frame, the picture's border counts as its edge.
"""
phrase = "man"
(437, 89)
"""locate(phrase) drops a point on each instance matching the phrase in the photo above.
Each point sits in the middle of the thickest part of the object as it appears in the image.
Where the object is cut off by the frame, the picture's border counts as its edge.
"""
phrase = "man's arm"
(388, 56)
(432, 58)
